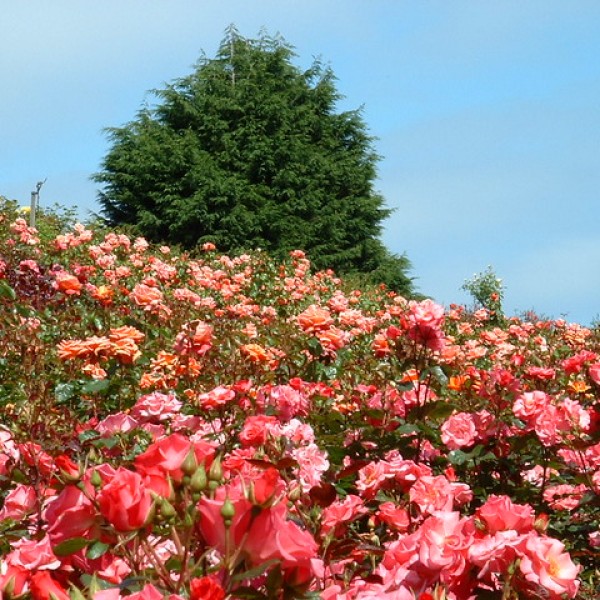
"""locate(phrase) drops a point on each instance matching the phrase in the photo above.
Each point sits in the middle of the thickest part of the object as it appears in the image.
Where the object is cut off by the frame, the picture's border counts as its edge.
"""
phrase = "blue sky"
(487, 116)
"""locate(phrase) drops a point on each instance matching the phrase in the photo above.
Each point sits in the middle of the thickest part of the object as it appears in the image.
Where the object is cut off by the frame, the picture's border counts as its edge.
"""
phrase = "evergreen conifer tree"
(249, 152)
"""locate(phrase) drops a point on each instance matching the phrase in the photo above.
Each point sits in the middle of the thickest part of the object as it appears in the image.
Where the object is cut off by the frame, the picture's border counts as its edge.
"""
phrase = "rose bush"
(207, 426)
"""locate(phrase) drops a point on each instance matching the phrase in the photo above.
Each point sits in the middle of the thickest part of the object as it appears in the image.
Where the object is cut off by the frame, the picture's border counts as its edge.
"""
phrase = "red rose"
(206, 588)
(43, 587)
(124, 501)
(13, 582)
(265, 486)
(163, 459)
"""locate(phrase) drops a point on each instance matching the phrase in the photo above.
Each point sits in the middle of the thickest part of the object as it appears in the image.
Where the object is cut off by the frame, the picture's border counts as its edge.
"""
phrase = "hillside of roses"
(202, 426)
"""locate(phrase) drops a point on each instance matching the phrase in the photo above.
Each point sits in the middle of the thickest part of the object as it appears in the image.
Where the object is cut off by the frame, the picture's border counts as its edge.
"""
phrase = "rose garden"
(211, 426)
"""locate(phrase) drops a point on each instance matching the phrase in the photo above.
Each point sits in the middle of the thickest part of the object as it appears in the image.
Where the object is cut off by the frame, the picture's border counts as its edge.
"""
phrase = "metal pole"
(35, 199)
(32, 209)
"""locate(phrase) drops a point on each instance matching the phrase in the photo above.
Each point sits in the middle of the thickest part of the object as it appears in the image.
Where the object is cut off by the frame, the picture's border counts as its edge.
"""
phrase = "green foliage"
(249, 152)
(487, 291)
(50, 221)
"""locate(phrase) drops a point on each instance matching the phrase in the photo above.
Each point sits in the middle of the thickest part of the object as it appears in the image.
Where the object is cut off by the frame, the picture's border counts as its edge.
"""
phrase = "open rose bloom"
(210, 427)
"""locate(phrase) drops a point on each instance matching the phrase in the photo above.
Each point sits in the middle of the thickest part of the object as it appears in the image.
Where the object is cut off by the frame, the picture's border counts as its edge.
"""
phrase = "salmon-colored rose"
(255, 352)
(314, 318)
(145, 295)
(67, 283)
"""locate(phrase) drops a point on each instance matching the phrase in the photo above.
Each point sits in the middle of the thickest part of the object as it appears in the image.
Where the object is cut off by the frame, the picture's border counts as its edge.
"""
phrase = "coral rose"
(500, 513)
(162, 460)
(71, 514)
(124, 501)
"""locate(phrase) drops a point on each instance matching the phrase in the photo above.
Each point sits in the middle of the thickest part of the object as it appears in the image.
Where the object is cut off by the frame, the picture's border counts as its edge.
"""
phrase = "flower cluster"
(217, 427)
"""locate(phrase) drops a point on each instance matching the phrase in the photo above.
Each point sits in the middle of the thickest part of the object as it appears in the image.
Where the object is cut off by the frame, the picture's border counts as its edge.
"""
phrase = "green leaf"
(63, 392)
(457, 457)
(6, 291)
(95, 582)
(70, 546)
(439, 375)
(96, 386)
(407, 429)
(255, 571)
(75, 593)
(438, 410)
(96, 550)
(314, 346)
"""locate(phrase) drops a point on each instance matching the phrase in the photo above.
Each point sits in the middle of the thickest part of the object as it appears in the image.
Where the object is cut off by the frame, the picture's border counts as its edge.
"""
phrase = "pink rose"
(459, 431)
(594, 371)
(108, 594)
(395, 517)
(342, 511)
(124, 501)
(271, 536)
(406, 472)
(156, 407)
(33, 554)
(528, 405)
(444, 544)
(258, 536)
(71, 514)
(494, 553)
(372, 477)
(544, 563)
(499, 513)
(426, 312)
(432, 493)
(550, 423)
(117, 423)
(289, 402)
(211, 524)
(19, 502)
(425, 320)
(148, 592)
(312, 463)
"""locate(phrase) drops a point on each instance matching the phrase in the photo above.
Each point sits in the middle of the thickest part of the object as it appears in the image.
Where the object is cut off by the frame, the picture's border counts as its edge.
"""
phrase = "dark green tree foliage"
(249, 152)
